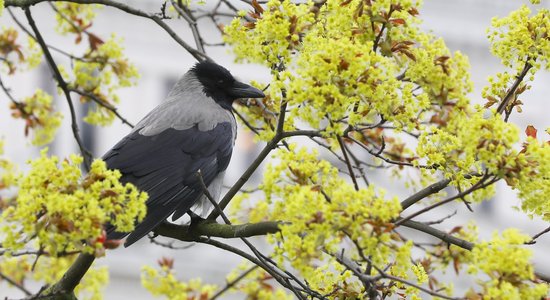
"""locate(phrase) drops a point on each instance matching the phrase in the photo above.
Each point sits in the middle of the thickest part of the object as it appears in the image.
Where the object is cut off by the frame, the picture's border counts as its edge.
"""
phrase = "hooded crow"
(193, 129)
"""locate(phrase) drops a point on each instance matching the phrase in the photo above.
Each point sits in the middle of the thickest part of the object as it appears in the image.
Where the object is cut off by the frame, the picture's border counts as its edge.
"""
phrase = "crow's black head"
(219, 84)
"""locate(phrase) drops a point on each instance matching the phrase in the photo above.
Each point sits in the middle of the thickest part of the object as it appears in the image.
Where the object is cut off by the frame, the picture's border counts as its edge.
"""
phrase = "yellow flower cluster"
(73, 17)
(521, 37)
(163, 282)
(8, 175)
(105, 71)
(324, 213)
(509, 278)
(444, 78)
(49, 270)
(325, 61)
(39, 116)
(272, 36)
(58, 210)
(340, 65)
(533, 178)
(16, 55)
(457, 152)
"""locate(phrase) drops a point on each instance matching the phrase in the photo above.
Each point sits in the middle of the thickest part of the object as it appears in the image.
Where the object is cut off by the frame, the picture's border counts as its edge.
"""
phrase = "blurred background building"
(160, 60)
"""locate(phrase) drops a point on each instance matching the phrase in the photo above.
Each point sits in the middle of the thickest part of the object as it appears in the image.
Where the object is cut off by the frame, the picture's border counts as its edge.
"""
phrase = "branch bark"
(211, 229)
(502, 106)
(429, 190)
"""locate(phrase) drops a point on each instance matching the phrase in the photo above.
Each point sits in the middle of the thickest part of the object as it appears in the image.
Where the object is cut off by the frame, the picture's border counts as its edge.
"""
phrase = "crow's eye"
(220, 81)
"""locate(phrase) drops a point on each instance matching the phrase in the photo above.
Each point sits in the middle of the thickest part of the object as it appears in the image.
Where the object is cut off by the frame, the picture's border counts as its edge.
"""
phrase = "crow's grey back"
(186, 106)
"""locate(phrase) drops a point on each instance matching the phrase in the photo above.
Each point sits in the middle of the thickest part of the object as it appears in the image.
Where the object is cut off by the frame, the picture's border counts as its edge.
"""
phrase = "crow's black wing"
(165, 165)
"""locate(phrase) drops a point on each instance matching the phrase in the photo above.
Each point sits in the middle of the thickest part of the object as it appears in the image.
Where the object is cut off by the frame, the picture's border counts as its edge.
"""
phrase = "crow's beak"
(241, 90)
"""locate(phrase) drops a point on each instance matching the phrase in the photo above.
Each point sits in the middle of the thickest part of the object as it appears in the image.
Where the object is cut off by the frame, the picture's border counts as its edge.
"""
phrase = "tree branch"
(14, 18)
(280, 278)
(368, 280)
(348, 163)
(454, 240)
(427, 191)
(192, 21)
(502, 106)
(232, 283)
(102, 103)
(211, 229)
(63, 85)
(536, 236)
(447, 238)
(15, 284)
(478, 185)
(272, 144)
(126, 8)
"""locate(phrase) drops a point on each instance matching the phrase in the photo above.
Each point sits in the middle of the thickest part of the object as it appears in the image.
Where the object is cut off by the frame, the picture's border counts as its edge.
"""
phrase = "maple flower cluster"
(39, 115)
(51, 269)
(508, 278)
(56, 209)
(103, 70)
(163, 282)
(339, 65)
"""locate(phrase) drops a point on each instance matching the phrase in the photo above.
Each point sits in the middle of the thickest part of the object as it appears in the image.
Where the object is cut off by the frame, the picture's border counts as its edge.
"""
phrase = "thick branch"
(429, 190)
(185, 233)
(447, 238)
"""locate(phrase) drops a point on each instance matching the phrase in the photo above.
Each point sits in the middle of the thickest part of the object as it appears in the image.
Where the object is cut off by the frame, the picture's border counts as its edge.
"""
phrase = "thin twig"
(536, 236)
(441, 220)
(169, 245)
(348, 163)
(511, 92)
(192, 22)
(378, 155)
(233, 282)
(250, 258)
(15, 284)
(478, 185)
(377, 39)
(63, 85)
(7, 91)
(406, 282)
(22, 27)
(272, 144)
(126, 8)
(265, 260)
(104, 104)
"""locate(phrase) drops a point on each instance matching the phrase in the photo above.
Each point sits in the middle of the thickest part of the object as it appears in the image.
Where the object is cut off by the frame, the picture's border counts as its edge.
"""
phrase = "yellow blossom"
(59, 209)
(163, 282)
(509, 278)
